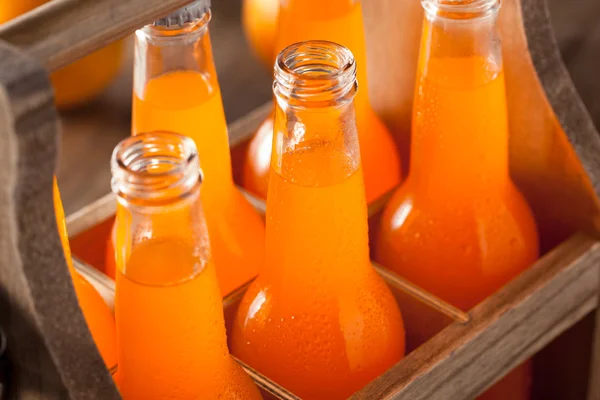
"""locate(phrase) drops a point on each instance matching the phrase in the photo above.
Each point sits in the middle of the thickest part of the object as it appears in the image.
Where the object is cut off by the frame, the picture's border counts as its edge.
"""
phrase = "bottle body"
(458, 227)
(339, 21)
(176, 89)
(297, 322)
(99, 317)
(170, 324)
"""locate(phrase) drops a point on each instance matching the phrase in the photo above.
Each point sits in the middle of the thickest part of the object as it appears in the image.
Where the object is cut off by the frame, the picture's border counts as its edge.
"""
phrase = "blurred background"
(91, 132)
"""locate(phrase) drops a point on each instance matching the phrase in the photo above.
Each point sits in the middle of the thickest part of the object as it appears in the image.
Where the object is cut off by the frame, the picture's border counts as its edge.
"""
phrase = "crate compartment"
(554, 160)
(424, 315)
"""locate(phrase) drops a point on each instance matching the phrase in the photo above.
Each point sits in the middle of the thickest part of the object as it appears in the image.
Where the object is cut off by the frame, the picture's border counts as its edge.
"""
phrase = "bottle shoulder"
(484, 214)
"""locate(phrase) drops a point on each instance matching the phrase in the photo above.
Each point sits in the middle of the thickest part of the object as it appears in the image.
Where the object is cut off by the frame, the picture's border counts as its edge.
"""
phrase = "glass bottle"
(170, 325)
(97, 314)
(458, 226)
(176, 89)
(338, 21)
(298, 323)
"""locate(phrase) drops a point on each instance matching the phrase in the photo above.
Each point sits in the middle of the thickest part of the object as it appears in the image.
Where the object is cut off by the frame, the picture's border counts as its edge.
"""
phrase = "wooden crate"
(555, 160)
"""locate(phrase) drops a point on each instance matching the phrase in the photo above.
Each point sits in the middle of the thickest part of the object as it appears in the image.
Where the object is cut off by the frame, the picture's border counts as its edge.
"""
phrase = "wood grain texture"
(507, 328)
(63, 31)
(480, 347)
(49, 344)
(90, 133)
(554, 146)
(554, 161)
(572, 21)
(552, 156)
(583, 62)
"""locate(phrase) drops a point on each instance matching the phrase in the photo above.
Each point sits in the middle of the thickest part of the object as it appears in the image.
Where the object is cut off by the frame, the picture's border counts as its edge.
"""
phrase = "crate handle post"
(49, 344)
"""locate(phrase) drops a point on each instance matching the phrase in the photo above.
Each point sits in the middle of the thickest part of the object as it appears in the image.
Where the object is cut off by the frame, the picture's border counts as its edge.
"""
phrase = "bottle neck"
(176, 89)
(460, 131)
(156, 181)
(316, 189)
(339, 21)
(315, 138)
(318, 10)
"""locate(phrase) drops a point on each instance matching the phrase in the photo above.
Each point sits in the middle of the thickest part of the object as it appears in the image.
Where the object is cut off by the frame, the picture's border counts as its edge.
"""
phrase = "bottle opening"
(315, 71)
(155, 167)
(461, 9)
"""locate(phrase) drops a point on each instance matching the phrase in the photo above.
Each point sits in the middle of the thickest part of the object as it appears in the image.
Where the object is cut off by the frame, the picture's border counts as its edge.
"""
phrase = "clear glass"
(459, 227)
(177, 90)
(167, 294)
(297, 323)
(460, 55)
(159, 50)
(338, 21)
(314, 106)
(156, 181)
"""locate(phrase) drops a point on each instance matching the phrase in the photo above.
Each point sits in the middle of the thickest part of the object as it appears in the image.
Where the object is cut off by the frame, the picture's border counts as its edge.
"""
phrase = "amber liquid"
(97, 314)
(185, 102)
(458, 227)
(170, 326)
(319, 320)
(339, 21)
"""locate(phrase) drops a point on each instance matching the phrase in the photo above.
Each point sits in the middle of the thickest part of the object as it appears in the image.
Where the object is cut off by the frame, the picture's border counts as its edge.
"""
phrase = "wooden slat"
(52, 353)
(62, 31)
(243, 129)
(572, 22)
(91, 215)
(583, 63)
(506, 329)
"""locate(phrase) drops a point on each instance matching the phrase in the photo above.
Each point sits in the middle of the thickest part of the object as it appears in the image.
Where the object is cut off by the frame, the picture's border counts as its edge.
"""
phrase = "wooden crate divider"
(555, 160)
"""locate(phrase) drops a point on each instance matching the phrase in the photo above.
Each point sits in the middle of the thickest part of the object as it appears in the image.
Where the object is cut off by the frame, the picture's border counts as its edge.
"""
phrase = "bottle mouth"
(461, 9)
(315, 71)
(155, 167)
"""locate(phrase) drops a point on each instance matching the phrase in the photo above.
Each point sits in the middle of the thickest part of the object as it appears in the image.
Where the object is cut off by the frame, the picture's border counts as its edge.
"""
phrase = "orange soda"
(458, 227)
(318, 320)
(97, 314)
(170, 324)
(176, 89)
(338, 21)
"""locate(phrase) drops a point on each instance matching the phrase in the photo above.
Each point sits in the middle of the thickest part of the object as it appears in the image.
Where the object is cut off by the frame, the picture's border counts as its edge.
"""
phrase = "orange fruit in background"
(259, 20)
(82, 81)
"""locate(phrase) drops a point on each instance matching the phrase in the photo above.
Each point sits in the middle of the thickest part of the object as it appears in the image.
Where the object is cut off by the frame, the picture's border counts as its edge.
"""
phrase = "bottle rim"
(461, 9)
(155, 168)
(315, 71)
